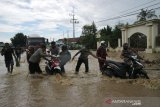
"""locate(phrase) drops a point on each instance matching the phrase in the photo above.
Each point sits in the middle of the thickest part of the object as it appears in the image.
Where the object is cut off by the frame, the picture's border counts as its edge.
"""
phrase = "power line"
(129, 12)
(143, 8)
(117, 17)
(138, 6)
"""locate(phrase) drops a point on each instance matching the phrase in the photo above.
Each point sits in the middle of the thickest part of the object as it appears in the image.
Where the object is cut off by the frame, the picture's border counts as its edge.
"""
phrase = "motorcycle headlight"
(57, 64)
(134, 57)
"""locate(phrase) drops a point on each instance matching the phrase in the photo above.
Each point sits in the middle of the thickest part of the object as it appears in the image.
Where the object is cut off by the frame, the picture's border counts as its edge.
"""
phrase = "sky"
(51, 18)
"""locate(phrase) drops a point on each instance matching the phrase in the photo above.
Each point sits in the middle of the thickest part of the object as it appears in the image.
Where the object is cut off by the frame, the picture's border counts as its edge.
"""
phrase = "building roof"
(72, 40)
(139, 23)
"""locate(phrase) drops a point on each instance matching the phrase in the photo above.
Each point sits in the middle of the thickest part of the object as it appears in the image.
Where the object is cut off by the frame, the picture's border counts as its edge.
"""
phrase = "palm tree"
(146, 14)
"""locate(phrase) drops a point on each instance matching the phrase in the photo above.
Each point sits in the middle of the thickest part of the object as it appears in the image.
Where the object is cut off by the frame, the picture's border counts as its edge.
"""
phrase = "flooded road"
(82, 90)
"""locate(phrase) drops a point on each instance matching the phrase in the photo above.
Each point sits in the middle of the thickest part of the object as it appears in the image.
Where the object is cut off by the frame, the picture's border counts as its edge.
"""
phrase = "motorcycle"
(131, 69)
(53, 66)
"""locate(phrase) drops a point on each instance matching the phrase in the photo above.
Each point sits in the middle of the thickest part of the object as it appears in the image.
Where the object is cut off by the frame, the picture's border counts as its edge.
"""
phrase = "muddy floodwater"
(82, 90)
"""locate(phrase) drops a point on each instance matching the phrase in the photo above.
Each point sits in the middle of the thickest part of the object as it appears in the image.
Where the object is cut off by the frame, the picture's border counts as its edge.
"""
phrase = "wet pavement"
(82, 90)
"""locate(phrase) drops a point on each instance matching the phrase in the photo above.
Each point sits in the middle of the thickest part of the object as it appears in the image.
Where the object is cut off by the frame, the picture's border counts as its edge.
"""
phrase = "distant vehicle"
(34, 41)
(59, 43)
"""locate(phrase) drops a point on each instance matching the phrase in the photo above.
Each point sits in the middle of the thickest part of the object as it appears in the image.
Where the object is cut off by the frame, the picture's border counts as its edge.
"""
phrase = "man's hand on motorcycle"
(54, 56)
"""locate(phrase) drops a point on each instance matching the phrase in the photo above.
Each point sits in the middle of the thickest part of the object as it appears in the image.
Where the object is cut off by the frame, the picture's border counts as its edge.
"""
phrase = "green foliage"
(109, 35)
(89, 35)
(146, 14)
(19, 40)
(114, 39)
(106, 33)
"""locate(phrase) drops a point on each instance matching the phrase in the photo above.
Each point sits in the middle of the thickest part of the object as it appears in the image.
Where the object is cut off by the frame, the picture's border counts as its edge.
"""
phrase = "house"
(69, 40)
(73, 43)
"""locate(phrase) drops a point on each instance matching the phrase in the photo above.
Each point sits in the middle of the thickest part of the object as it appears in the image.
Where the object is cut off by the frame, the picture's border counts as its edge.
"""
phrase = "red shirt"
(101, 52)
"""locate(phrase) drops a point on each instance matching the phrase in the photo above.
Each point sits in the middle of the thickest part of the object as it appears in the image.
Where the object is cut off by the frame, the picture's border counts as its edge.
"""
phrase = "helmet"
(6, 44)
(31, 48)
(125, 46)
(102, 42)
(42, 45)
(64, 47)
(53, 43)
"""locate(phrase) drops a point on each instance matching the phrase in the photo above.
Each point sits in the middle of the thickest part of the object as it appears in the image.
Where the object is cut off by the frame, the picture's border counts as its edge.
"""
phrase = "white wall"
(141, 29)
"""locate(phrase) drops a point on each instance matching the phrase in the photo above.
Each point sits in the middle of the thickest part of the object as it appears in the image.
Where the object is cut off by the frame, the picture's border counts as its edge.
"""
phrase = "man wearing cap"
(101, 53)
(54, 49)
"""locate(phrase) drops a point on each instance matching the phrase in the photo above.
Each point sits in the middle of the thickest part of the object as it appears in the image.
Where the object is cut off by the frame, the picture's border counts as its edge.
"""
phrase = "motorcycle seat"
(117, 63)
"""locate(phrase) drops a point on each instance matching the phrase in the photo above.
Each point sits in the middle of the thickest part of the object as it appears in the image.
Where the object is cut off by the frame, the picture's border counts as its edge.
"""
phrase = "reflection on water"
(83, 90)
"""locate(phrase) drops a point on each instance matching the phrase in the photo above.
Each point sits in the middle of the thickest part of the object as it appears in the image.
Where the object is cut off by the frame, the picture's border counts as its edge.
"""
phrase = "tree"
(106, 33)
(89, 35)
(86, 32)
(109, 35)
(146, 14)
(19, 40)
(93, 36)
(116, 34)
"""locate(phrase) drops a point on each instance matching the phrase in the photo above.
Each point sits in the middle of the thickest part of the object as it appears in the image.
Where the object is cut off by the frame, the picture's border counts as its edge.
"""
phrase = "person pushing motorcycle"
(35, 59)
(101, 53)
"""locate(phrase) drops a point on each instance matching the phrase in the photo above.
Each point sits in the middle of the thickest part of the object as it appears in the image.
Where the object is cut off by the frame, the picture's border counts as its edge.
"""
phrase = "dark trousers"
(80, 61)
(34, 68)
(101, 63)
(62, 69)
(18, 57)
(9, 65)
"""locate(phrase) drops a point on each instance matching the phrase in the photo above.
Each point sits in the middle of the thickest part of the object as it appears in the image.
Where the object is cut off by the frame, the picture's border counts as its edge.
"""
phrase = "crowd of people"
(34, 56)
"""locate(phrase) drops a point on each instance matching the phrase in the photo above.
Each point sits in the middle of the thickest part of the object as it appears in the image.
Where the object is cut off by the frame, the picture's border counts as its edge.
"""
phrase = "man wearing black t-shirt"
(7, 51)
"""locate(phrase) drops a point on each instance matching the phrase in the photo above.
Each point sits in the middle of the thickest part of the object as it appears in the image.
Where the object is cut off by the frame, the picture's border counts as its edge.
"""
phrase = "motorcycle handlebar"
(54, 56)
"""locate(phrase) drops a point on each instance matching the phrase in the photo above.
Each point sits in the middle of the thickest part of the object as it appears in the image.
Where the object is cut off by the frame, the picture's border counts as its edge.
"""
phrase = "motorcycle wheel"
(144, 74)
(107, 72)
(48, 71)
(57, 71)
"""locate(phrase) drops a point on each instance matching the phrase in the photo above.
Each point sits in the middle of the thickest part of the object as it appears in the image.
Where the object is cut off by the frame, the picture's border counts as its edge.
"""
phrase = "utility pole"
(73, 21)
(67, 34)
